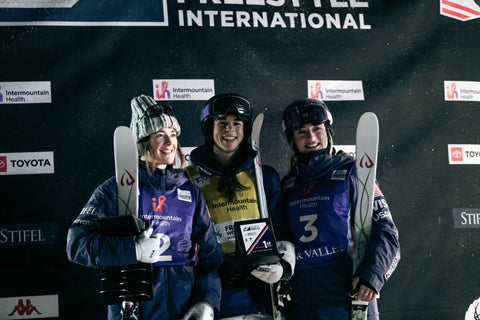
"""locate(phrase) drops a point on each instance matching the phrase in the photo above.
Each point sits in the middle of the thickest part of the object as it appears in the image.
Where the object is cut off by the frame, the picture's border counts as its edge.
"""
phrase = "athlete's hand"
(199, 311)
(269, 273)
(364, 292)
(147, 248)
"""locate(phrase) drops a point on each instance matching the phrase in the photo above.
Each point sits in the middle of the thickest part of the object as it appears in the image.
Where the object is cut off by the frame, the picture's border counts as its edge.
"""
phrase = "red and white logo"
(463, 10)
(3, 164)
(456, 154)
(464, 154)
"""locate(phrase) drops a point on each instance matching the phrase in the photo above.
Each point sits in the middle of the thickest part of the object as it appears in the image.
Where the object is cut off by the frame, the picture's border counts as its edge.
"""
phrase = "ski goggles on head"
(225, 105)
(296, 117)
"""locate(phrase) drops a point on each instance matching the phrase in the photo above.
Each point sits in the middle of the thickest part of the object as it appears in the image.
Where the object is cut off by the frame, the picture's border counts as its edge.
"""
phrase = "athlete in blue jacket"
(224, 169)
(180, 243)
(320, 190)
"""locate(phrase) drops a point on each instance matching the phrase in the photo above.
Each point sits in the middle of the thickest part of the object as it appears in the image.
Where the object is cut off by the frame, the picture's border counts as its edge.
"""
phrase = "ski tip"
(122, 129)
(369, 115)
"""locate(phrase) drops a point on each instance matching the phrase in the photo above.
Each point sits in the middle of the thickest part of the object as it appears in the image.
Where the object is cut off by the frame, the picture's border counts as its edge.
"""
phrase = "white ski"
(366, 166)
(126, 170)
(256, 128)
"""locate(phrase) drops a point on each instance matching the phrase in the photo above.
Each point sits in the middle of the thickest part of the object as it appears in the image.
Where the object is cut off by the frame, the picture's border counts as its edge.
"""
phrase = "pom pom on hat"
(148, 117)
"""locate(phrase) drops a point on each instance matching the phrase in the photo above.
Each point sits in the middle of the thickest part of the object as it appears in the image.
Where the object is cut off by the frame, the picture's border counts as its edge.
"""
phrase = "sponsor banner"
(462, 90)
(466, 218)
(464, 154)
(27, 235)
(275, 14)
(29, 307)
(26, 163)
(267, 14)
(186, 156)
(83, 13)
(329, 90)
(347, 148)
(25, 92)
(460, 9)
(183, 89)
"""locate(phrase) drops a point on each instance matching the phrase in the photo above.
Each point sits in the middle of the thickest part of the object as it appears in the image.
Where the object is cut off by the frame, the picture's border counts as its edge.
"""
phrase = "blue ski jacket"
(174, 207)
(247, 295)
(320, 193)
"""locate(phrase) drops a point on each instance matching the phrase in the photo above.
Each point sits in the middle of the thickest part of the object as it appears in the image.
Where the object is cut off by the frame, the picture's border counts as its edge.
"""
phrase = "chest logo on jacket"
(158, 206)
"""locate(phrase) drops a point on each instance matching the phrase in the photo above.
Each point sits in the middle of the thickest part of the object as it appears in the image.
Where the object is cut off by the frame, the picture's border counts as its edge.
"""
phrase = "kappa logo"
(456, 154)
(462, 10)
(3, 164)
(24, 309)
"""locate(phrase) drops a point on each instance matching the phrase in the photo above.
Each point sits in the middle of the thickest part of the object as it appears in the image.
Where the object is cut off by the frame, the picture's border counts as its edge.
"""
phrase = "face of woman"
(163, 144)
(228, 134)
(310, 138)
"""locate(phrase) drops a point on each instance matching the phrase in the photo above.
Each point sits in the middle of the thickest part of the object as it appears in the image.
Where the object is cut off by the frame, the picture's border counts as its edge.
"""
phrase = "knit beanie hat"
(148, 117)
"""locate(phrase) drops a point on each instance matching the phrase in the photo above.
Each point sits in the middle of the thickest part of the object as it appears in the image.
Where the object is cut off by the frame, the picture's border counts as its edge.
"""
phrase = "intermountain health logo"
(462, 90)
(25, 92)
(183, 89)
(462, 10)
(333, 90)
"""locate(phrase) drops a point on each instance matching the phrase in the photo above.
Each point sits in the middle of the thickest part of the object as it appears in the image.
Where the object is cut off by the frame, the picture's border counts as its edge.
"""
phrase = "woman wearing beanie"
(180, 243)
(320, 193)
(224, 169)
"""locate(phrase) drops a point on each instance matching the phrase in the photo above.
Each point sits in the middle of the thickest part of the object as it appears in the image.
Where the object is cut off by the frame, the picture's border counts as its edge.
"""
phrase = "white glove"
(199, 311)
(269, 273)
(147, 248)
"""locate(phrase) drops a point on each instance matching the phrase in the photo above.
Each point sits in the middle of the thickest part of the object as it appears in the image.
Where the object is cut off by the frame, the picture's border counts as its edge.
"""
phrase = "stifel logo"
(3, 164)
(127, 178)
(24, 309)
(457, 154)
(366, 162)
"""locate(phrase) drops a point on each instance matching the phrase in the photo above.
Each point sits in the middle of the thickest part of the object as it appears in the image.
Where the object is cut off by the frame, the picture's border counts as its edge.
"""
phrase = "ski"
(366, 166)
(255, 137)
(126, 171)
(120, 283)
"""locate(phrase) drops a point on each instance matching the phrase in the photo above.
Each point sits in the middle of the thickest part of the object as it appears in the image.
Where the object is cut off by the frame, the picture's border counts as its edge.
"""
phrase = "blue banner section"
(84, 12)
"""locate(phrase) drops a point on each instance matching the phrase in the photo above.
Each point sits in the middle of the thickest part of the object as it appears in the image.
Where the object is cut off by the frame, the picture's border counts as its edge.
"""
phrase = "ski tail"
(256, 129)
(366, 168)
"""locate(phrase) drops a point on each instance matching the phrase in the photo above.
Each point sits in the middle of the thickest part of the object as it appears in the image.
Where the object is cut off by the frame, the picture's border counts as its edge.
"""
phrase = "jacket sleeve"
(383, 249)
(86, 245)
(278, 215)
(207, 286)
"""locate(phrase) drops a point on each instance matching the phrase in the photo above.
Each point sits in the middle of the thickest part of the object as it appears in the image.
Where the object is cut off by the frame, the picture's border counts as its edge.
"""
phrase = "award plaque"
(255, 241)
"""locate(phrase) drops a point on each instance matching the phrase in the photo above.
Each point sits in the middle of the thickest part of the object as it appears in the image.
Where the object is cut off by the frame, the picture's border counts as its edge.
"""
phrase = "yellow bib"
(223, 211)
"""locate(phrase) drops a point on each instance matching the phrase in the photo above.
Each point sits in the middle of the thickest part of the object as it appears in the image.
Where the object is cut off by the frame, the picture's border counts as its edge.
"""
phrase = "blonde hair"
(145, 153)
